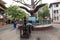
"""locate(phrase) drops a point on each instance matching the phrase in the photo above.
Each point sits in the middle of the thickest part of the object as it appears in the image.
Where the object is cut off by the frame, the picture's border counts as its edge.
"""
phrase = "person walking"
(25, 21)
(14, 24)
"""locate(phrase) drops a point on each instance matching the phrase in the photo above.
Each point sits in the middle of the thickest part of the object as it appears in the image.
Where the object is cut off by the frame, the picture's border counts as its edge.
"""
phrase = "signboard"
(32, 18)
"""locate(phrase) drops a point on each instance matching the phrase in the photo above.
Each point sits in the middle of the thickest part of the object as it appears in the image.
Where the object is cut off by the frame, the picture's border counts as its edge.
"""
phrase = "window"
(55, 11)
(57, 18)
(54, 18)
(56, 5)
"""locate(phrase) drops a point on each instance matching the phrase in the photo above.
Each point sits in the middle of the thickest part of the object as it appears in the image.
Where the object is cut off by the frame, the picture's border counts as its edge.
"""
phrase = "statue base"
(43, 27)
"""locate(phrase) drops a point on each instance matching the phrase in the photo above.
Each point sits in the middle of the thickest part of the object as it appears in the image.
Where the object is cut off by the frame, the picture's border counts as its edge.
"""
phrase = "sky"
(49, 1)
(9, 2)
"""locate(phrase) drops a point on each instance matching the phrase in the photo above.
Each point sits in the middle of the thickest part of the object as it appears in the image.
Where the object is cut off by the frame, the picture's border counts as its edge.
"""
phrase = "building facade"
(55, 10)
(2, 8)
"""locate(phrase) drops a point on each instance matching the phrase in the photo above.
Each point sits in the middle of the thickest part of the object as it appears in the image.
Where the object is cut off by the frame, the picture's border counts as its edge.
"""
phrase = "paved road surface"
(6, 27)
(9, 33)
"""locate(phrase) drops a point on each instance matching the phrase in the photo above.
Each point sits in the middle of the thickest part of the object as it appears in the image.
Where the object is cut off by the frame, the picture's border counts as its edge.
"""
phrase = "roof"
(2, 2)
(2, 6)
(53, 4)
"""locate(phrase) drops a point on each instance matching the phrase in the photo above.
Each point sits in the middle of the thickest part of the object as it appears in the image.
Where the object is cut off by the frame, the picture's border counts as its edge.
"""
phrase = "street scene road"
(7, 32)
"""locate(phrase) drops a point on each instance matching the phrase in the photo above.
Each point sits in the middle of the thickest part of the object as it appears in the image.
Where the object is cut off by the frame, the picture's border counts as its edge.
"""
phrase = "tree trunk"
(32, 14)
(34, 10)
(32, 4)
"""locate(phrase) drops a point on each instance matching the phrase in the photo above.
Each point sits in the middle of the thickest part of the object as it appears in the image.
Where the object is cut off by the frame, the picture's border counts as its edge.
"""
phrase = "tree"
(14, 12)
(44, 12)
(34, 5)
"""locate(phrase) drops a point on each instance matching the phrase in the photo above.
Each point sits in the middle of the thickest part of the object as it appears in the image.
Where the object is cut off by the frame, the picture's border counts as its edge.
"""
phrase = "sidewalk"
(5, 25)
(56, 21)
(9, 35)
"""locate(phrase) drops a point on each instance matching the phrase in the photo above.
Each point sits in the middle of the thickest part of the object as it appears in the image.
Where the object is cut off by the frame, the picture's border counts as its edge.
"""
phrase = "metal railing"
(40, 22)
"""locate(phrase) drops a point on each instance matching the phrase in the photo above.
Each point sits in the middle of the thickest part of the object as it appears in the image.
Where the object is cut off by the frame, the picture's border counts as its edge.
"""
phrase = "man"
(25, 21)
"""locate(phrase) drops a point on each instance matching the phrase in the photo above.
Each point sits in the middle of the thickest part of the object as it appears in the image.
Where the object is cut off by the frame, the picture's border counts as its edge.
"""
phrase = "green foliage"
(14, 12)
(43, 12)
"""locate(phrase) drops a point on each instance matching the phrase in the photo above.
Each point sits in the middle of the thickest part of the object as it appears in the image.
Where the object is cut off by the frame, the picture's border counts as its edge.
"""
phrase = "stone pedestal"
(42, 27)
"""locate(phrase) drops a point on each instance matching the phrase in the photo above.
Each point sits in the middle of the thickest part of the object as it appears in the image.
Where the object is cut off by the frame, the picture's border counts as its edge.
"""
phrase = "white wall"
(52, 11)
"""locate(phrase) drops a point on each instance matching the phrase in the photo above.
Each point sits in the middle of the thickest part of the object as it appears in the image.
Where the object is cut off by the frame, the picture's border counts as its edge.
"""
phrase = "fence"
(39, 22)
(42, 22)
